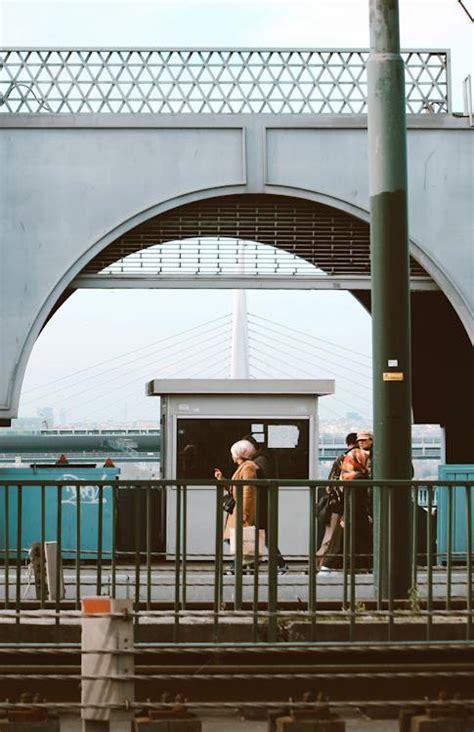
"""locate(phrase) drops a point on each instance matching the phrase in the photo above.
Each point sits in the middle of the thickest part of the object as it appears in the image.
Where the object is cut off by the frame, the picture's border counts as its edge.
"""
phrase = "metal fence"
(62, 541)
(214, 80)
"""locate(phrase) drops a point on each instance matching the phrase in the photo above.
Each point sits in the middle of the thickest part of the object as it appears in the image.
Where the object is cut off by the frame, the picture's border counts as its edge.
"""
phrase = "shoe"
(324, 569)
(229, 570)
(284, 569)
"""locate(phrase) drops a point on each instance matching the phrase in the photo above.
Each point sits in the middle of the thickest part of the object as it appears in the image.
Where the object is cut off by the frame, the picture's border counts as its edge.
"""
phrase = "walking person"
(242, 453)
(357, 465)
(266, 471)
(328, 554)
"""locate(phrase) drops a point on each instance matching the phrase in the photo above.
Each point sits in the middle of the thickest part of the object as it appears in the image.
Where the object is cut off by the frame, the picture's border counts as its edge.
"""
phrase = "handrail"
(161, 542)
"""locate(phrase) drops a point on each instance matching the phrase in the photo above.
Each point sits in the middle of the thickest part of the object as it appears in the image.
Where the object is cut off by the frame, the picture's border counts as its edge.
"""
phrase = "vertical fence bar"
(390, 559)
(138, 539)
(7, 546)
(468, 490)
(429, 564)
(59, 543)
(177, 560)
(312, 560)
(100, 536)
(218, 579)
(380, 497)
(352, 562)
(163, 512)
(115, 500)
(19, 519)
(449, 557)
(256, 564)
(184, 545)
(148, 547)
(414, 546)
(78, 549)
(239, 508)
(42, 553)
(273, 563)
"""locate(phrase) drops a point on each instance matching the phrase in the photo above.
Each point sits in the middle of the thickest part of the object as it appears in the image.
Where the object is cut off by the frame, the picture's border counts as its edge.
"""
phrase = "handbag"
(248, 542)
(328, 503)
(228, 504)
(323, 509)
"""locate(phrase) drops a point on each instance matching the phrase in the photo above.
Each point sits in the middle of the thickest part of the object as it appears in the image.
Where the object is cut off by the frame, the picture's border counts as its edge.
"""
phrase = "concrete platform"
(292, 587)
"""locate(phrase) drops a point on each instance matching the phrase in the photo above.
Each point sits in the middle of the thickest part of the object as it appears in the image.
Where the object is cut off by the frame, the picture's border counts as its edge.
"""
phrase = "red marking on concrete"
(91, 605)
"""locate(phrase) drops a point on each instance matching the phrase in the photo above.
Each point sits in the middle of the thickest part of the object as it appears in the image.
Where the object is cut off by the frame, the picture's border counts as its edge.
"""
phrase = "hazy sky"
(94, 326)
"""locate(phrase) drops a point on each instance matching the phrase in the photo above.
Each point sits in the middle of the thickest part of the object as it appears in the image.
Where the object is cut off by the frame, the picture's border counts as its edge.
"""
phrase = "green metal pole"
(390, 292)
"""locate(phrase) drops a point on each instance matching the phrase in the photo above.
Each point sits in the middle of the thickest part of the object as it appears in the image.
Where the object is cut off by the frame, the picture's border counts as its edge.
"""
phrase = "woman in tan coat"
(242, 453)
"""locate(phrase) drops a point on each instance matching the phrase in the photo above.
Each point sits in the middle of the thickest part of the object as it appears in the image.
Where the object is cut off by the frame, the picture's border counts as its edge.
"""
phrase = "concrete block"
(49, 726)
(273, 716)
(423, 723)
(406, 715)
(167, 725)
(290, 724)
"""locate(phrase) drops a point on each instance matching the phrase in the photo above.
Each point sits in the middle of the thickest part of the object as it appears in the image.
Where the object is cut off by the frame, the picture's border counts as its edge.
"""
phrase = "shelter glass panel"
(204, 444)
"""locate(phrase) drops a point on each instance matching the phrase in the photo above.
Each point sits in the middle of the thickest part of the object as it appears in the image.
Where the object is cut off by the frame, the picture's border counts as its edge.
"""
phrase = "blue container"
(458, 512)
(31, 508)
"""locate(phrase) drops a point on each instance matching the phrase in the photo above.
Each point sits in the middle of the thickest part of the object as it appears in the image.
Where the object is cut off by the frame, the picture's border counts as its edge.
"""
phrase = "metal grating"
(205, 238)
(212, 81)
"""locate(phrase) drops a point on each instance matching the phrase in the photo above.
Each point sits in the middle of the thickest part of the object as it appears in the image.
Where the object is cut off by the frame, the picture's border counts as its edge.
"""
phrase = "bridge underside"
(335, 244)
(218, 243)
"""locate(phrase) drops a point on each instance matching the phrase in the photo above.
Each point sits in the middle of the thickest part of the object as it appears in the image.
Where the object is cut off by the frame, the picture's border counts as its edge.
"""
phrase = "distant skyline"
(95, 326)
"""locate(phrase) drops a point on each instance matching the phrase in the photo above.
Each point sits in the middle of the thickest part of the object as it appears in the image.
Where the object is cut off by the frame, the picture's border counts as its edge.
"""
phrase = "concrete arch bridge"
(149, 168)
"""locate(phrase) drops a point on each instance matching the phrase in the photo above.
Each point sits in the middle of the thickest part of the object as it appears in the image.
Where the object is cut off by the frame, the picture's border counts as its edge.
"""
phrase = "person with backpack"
(330, 512)
(357, 465)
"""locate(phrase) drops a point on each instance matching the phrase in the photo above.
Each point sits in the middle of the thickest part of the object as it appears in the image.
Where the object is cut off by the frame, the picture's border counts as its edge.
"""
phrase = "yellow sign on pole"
(393, 376)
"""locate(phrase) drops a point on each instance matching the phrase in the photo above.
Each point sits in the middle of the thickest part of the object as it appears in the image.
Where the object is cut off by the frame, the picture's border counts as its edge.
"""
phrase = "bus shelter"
(202, 418)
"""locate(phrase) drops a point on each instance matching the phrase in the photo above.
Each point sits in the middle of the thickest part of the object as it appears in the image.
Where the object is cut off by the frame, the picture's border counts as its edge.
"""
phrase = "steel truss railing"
(441, 572)
(209, 81)
(240, 260)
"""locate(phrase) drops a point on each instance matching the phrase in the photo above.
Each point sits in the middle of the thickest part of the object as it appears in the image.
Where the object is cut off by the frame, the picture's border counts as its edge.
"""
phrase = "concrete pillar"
(107, 626)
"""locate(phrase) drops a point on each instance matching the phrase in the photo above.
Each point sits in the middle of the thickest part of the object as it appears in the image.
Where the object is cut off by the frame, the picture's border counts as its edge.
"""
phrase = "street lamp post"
(390, 298)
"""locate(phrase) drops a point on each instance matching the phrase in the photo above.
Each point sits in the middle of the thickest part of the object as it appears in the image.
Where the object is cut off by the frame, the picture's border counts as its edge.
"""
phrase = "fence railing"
(161, 544)
(214, 80)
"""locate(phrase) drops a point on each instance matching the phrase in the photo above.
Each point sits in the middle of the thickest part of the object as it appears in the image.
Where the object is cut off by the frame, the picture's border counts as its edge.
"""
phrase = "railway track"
(232, 673)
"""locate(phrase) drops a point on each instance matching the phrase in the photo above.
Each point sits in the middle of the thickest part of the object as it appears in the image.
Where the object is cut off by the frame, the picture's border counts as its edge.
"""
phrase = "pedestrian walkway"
(199, 582)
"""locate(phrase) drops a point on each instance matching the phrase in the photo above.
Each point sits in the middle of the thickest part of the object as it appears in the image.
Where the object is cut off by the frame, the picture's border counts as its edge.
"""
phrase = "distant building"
(47, 417)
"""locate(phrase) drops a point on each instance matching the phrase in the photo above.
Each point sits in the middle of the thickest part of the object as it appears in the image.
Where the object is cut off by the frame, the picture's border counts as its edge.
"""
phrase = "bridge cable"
(263, 338)
(128, 353)
(300, 359)
(313, 337)
(114, 368)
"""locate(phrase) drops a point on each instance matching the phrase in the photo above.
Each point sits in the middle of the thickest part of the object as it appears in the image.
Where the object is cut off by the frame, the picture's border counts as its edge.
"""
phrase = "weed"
(414, 599)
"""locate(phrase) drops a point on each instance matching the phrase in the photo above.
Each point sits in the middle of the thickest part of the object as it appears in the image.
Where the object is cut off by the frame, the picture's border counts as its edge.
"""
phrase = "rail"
(61, 541)
(209, 81)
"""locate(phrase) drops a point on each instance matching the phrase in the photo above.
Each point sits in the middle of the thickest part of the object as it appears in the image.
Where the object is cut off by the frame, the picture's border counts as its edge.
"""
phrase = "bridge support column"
(390, 298)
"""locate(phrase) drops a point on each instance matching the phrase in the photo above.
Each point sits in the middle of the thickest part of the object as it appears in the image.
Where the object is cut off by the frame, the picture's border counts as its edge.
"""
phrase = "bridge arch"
(418, 253)
(209, 213)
